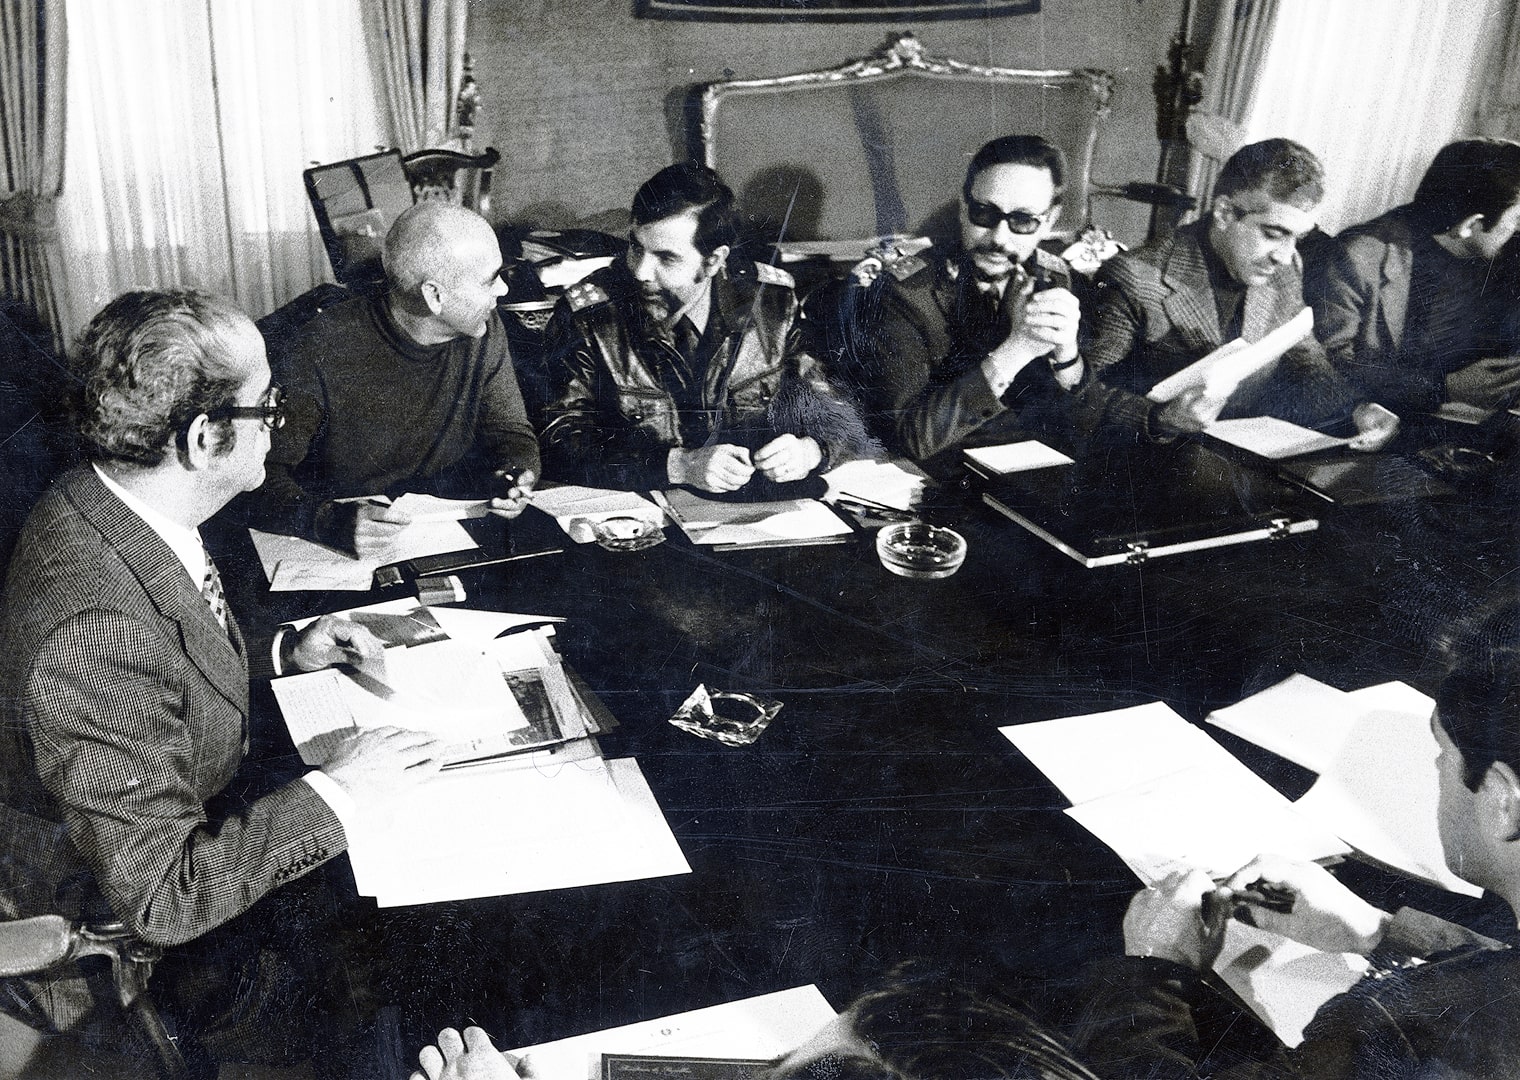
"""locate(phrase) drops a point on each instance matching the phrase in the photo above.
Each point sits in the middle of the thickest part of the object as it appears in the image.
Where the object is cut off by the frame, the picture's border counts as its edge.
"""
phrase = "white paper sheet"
(1090, 756)
(1380, 793)
(758, 1028)
(760, 524)
(488, 831)
(1272, 438)
(1221, 372)
(1281, 980)
(1300, 719)
(898, 484)
(1017, 457)
(1216, 817)
(568, 504)
(292, 563)
(416, 507)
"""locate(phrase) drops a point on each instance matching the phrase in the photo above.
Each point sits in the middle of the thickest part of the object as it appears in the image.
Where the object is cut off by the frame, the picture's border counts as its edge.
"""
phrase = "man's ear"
(1499, 802)
(716, 260)
(432, 296)
(1467, 227)
(1221, 211)
(200, 443)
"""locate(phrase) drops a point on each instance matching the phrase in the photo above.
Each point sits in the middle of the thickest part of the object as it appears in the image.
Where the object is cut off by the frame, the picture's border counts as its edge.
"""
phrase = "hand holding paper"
(1166, 919)
(1326, 915)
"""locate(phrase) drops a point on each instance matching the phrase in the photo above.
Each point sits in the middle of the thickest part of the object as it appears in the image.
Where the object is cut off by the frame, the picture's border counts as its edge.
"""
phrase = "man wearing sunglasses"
(1233, 274)
(124, 678)
(978, 345)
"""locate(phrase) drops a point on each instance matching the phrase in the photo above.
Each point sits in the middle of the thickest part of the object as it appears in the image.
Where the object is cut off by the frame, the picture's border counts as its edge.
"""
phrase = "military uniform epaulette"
(767, 274)
(584, 294)
(904, 268)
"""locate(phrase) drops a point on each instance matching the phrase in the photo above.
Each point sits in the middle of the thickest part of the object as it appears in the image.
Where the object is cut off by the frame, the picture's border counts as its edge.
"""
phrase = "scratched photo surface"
(881, 816)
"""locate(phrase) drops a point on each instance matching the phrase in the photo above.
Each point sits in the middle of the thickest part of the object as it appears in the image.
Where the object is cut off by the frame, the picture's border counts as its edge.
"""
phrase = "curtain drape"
(33, 56)
(190, 122)
(1237, 49)
(417, 50)
(1499, 104)
(1373, 89)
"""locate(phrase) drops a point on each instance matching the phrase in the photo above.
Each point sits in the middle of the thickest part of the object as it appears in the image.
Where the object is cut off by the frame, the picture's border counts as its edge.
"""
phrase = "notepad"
(293, 564)
(1016, 457)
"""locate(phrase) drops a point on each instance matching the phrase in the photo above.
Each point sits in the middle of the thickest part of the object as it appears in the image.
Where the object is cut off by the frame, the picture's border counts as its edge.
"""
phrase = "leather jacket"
(612, 419)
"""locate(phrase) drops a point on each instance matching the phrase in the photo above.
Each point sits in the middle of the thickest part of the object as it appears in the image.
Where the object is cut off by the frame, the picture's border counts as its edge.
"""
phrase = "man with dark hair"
(1439, 999)
(1233, 274)
(675, 367)
(413, 390)
(1409, 305)
(977, 345)
(123, 676)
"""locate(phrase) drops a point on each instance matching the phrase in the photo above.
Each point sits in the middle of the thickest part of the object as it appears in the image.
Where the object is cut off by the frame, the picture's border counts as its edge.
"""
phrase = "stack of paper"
(734, 526)
(1375, 753)
(1163, 794)
(1271, 438)
(292, 563)
(525, 801)
(898, 484)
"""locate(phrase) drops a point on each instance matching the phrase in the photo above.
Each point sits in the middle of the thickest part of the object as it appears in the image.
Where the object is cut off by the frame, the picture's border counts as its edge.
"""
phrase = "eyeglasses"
(270, 409)
(1020, 222)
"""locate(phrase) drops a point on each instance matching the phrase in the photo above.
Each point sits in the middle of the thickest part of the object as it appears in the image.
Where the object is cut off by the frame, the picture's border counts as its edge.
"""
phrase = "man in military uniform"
(674, 368)
(976, 346)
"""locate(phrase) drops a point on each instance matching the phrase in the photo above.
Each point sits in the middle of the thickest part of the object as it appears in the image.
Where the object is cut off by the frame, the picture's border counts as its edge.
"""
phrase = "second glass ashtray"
(728, 718)
(627, 533)
(915, 549)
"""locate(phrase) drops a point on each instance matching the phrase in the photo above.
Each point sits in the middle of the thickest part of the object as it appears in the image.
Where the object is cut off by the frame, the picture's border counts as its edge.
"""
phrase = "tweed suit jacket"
(126, 712)
(1155, 314)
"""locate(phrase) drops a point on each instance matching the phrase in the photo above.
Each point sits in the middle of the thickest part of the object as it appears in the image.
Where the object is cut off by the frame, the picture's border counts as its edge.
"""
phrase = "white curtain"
(1232, 74)
(189, 122)
(417, 48)
(1499, 107)
(1375, 89)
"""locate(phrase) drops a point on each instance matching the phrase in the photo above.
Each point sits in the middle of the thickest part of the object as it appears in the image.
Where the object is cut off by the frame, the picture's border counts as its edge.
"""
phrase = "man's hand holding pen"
(1183, 918)
(333, 640)
(516, 492)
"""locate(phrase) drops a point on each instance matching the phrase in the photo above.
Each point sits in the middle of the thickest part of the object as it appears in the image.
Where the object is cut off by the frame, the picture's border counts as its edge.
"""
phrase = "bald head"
(434, 241)
(443, 263)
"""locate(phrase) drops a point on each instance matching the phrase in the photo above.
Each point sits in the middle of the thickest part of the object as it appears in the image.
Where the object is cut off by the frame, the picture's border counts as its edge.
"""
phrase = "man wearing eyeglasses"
(1233, 274)
(124, 678)
(413, 390)
(976, 346)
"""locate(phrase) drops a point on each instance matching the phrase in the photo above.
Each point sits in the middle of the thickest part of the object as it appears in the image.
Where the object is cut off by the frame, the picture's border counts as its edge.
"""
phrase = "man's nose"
(1283, 252)
(641, 267)
(499, 287)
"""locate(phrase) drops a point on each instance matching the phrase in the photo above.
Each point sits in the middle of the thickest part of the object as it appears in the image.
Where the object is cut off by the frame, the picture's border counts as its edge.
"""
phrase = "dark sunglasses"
(271, 410)
(1020, 222)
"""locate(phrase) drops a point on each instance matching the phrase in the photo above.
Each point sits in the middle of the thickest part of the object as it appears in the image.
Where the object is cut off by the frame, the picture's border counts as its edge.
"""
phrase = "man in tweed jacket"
(125, 679)
(1232, 274)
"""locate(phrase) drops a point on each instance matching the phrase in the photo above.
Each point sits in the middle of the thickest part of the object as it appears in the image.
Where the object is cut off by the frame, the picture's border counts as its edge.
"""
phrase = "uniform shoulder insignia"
(904, 268)
(584, 294)
(767, 274)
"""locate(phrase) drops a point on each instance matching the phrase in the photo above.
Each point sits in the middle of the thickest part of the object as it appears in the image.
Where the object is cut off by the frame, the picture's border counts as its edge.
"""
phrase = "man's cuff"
(337, 800)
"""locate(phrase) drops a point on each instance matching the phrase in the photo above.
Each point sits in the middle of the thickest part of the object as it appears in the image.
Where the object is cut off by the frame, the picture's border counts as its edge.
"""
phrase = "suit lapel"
(163, 578)
(1189, 302)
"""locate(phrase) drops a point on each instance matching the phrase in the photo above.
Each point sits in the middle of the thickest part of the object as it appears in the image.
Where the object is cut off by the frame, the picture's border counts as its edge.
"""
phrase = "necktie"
(211, 589)
(687, 341)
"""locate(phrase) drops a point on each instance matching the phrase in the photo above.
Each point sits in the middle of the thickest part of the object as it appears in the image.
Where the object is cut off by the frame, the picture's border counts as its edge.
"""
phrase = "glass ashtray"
(916, 549)
(731, 719)
(627, 533)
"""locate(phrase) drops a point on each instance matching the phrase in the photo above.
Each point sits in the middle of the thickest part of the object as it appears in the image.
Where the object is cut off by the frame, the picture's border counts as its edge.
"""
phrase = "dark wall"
(582, 98)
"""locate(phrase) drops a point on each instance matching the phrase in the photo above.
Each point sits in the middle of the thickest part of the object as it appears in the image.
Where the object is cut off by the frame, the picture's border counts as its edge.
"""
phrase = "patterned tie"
(211, 589)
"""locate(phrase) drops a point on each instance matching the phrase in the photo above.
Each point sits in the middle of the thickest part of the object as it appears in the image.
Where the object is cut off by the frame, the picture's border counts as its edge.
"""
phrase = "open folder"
(738, 526)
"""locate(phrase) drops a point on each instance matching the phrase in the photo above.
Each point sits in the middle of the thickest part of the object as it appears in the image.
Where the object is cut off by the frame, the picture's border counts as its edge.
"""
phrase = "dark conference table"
(882, 815)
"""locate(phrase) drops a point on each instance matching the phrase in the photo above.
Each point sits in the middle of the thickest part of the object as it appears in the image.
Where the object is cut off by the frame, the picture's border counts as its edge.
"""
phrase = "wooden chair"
(356, 201)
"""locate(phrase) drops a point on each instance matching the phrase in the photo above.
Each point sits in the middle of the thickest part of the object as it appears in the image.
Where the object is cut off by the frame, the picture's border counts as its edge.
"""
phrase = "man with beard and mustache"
(977, 346)
(411, 390)
(1233, 274)
(674, 368)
